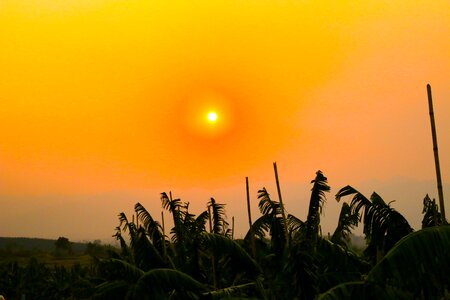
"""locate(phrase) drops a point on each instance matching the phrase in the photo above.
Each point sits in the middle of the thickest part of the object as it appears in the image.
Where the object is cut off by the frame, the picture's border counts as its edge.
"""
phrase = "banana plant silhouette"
(383, 225)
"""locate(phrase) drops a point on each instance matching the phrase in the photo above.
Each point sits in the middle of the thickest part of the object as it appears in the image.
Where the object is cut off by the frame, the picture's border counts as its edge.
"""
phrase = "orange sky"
(104, 103)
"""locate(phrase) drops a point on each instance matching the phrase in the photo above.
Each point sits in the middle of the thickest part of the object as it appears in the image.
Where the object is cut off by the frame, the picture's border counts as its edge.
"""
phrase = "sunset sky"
(105, 103)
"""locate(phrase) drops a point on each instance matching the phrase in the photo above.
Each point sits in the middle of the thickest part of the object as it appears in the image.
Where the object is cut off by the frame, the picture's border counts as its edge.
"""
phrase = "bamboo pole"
(163, 226)
(252, 238)
(232, 228)
(281, 202)
(213, 258)
(248, 203)
(436, 154)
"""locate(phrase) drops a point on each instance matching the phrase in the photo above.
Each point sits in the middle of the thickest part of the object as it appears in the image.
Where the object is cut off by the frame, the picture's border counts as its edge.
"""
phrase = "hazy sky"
(104, 103)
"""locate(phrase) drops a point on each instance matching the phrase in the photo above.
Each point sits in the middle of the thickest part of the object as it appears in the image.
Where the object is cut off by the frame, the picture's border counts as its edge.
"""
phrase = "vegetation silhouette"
(199, 264)
(280, 257)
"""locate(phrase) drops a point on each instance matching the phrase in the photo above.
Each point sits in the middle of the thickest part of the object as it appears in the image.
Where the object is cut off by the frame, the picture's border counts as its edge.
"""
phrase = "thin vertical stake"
(281, 202)
(248, 203)
(436, 154)
(252, 238)
(213, 258)
(232, 228)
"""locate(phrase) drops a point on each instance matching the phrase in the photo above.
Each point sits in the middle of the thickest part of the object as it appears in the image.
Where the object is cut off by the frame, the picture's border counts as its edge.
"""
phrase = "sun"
(212, 117)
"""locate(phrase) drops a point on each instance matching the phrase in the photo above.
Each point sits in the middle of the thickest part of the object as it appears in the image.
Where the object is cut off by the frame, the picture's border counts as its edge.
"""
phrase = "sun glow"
(212, 117)
(94, 93)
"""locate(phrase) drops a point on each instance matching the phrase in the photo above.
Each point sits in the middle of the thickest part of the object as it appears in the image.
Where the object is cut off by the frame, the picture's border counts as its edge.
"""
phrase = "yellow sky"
(110, 99)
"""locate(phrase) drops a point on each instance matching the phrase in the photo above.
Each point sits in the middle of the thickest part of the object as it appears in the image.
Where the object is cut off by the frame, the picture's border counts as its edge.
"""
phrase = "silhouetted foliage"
(196, 263)
(383, 225)
(431, 213)
(346, 222)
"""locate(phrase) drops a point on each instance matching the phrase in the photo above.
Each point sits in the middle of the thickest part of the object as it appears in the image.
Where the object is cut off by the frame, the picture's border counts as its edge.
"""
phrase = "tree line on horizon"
(281, 256)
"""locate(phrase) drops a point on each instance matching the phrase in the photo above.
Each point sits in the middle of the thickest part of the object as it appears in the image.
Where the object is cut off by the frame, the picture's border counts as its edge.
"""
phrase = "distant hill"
(35, 244)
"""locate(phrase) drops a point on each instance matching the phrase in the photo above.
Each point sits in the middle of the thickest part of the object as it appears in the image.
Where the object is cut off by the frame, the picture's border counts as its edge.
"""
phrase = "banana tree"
(219, 224)
(431, 214)
(346, 222)
(383, 225)
(417, 267)
(316, 202)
